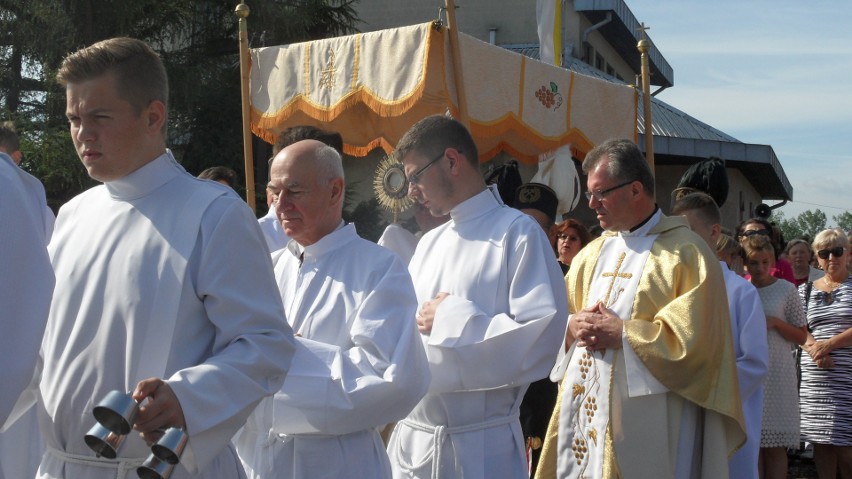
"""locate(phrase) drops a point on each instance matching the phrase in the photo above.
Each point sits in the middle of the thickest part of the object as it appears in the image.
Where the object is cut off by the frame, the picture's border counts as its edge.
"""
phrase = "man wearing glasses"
(491, 314)
(649, 382)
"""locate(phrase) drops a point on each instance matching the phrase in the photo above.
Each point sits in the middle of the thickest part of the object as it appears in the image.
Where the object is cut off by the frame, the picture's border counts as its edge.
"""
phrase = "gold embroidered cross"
(327, 73)
(615, 274)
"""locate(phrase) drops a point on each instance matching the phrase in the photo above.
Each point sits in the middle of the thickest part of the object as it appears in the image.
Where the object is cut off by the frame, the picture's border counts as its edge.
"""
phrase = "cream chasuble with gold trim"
(666, 404)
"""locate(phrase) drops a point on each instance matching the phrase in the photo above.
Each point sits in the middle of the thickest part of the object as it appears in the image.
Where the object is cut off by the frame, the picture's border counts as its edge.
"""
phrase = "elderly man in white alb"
(359, 364)
(650, 384)
(164, 287)
(492, 314)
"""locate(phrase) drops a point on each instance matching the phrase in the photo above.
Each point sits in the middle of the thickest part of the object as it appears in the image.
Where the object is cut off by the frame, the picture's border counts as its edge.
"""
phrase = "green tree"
(811, 222)
(789, 228)
(806, 225)
(843, 221)
(197, 40)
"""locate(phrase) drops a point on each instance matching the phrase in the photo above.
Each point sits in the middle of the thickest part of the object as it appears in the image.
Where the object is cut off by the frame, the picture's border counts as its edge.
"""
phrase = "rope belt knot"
(440, 433)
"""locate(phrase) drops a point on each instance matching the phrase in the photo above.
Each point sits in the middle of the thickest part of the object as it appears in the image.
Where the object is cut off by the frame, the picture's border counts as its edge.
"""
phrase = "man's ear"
(337, 190)
(455, 158)
(155, 115)
(16, 156)
(715, 232)
(637, 189)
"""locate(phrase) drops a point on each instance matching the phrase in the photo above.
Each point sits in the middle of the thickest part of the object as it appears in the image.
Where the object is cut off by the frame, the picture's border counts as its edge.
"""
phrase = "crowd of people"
(494, 344)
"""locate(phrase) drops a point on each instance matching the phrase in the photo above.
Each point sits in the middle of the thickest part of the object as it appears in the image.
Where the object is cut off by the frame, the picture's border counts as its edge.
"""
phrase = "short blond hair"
(140, 76)
(830, 238)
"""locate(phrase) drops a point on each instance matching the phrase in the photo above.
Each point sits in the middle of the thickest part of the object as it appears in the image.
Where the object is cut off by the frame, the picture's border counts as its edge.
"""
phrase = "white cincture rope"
(439, 433)
(122, 465)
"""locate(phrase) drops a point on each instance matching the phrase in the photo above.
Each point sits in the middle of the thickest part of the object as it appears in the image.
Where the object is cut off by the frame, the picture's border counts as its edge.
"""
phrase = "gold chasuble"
(667, 403)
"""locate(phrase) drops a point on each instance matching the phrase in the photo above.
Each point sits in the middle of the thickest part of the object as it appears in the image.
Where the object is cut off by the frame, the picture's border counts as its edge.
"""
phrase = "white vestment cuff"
(640, 381)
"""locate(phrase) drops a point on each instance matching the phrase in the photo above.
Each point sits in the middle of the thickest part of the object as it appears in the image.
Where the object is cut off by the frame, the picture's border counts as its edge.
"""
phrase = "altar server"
(492, 312)
(164, 287)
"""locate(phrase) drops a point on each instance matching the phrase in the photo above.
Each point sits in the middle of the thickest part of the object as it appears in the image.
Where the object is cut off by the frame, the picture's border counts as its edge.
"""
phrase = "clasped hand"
(819, 352)
(596, 328)
(426, 314)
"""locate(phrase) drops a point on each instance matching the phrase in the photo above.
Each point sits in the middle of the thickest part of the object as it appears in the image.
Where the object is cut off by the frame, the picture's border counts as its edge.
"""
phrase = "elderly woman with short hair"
(826, 389)
(800, 255)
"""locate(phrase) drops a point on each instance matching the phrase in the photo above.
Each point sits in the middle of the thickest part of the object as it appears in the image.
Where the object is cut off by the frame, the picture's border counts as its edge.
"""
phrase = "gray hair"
(625, 162)
(328, 163)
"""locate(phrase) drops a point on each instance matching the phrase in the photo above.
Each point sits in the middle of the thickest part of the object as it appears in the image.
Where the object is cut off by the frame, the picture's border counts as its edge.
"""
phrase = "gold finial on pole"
(644, 46)
(242, 12)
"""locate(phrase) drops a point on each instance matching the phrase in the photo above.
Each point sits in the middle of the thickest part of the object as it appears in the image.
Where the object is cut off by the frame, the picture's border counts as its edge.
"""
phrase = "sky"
(775, 73)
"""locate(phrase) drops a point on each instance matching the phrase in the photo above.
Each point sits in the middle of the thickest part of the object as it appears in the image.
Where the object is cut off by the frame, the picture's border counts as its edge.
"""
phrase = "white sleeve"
(753, 360)
(378, 380)
(26, 283)
(253, 345)
(469, 349)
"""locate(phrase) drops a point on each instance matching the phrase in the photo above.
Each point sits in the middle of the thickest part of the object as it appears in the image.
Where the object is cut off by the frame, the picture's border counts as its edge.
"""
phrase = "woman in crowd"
(729, 251)
(759, 226)
(570, 237)
(800, 255)
(785, 324)
(826, 390)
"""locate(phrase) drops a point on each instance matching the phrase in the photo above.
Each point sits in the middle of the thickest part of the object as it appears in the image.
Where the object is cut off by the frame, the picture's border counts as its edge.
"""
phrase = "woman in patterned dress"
(826, 394)
(785, 324)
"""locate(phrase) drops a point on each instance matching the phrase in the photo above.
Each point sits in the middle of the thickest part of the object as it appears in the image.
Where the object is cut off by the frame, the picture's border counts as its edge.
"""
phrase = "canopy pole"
(242, 12)
(455, 51)
(644, 46)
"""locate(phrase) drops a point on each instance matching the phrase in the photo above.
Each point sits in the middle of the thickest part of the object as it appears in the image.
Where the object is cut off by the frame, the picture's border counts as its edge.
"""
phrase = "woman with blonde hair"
(729, 251)
(826, 390)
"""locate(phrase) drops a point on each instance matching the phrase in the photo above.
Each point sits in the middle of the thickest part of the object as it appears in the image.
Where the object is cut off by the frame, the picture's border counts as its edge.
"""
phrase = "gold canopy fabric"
(372, 87)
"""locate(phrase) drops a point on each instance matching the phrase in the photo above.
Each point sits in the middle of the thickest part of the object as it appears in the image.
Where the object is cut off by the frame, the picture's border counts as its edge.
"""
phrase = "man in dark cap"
(538, 201)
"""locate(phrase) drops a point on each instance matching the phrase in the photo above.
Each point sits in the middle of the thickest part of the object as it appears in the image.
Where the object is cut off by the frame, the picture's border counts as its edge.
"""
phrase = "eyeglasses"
(564, 237)
(836, 251)
(415, 177)
(601, 194)
(763, 232)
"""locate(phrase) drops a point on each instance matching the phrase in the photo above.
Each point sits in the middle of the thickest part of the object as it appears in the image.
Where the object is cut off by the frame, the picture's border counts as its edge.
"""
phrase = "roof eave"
(623, 34)
(758, 163)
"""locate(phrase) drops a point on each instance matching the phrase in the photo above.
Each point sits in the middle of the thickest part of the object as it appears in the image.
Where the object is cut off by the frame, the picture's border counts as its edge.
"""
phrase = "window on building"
(599, 61)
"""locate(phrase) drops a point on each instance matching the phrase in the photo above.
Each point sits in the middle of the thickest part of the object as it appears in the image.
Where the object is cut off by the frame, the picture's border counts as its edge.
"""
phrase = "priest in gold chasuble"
(648, 384)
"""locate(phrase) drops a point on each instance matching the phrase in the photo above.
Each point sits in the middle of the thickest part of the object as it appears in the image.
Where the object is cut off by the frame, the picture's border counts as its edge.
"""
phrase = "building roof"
(682, 139)
(621, 29)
